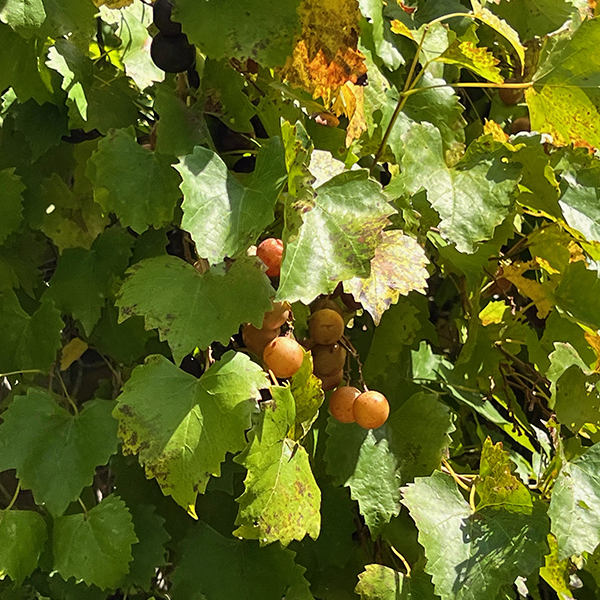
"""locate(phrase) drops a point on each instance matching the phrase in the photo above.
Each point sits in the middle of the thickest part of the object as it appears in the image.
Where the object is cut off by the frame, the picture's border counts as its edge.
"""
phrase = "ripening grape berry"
(277, 317)
(172, 53)
(328, 360)
(341, 403)
(371, 410)
(325, 302)
(161, 11)
(283, 356)
(330, 382)
(256, 340)
(270, 251)
(326, 326)
(510, 96)
(520, 124)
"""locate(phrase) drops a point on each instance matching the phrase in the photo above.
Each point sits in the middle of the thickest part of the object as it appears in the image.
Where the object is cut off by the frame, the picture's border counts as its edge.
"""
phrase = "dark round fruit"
(328, 360)
(161, 15)
(520, 124)
(510, 96)
(172, 54)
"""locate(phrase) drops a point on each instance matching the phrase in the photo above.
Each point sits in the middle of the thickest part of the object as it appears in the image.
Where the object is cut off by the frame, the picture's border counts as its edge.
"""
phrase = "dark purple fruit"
(161, 12)
(172, 54)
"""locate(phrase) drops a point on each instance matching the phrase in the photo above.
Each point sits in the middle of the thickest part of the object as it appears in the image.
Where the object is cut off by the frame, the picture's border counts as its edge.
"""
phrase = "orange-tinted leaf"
(326, 55)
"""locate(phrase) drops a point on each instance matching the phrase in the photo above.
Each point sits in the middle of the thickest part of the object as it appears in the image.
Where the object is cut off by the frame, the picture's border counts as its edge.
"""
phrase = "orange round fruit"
(328, 360)
(330, 382)
(326, 327)
(256, 340)
(276, 317)
(270, 251)
(371, 410)
(283, 356)
(341, 403)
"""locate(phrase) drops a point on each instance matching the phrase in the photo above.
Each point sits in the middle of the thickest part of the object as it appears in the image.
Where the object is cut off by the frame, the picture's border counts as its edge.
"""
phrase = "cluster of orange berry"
(283, 355)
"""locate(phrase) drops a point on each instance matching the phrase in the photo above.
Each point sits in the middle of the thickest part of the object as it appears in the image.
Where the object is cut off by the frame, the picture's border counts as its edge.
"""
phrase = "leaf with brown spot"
(182, 427)
(282, 499)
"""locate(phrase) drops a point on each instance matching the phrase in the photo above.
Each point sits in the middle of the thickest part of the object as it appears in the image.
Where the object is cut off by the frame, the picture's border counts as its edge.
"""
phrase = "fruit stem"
(14, 498)
(404, 561)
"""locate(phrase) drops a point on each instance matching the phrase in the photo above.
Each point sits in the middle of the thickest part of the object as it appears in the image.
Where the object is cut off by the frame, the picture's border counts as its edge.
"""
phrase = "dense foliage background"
(432, 170)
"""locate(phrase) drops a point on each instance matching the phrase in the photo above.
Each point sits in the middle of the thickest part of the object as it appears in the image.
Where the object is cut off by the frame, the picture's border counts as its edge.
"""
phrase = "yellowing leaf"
(493, 313)
(540, 293)
(502, 27)
(71, 352)
(350, 102)
(113, 3)
(593, 339)
(566, 113)
(326, 55)
(397, 268)
(492, 128)
(400, 28)
(479, 60)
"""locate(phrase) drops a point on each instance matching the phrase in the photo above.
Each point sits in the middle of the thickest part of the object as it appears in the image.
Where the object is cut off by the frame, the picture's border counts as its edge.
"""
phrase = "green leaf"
(149, 551)
(179, 128)
(12, 201)
(19, 67)
(70, 221)
(398, 267)
(84, 278)
(241, 28)
(28, 341)
(575, 505)
(69, 16)
(308, 397)
(472, 199)
(579, 294)
(281, 500)
(379, 30)
(233, 568)
(564, 99)
(497, 486)
(472, 555)
(377, 582)
(169, 293)
(577, 399)
(375, 463)
(54, 452)
(135, 183)
(96, 546)
(23, 535)
(22, 14)
(181, 426)
(346, 217)
(223, 215)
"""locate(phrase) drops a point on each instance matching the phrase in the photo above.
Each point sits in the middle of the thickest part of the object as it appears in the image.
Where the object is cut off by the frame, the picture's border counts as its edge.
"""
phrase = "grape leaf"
(19, 67)
(375, 463)
(383, 41)
(347, 217)
(497, 486)
(22, 14)
(563, 101)
(281, 500)
(575, 505)
(95, 546)
(223, 215)
(17, 559)
(557, 573)
(377, 582)
(472, 555)
(83, 278)
(181, 426)
(149, 551)
(579, 294)
(465, 53)
(577, 399)
(55, 453)
(471, 201)
(241, 28)
(398, 267)
(308, 397)
(178, 301)
(235, 569)
(68, 16)
(70, 221)
(28, 341)
(12, 201)
(135, 183)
